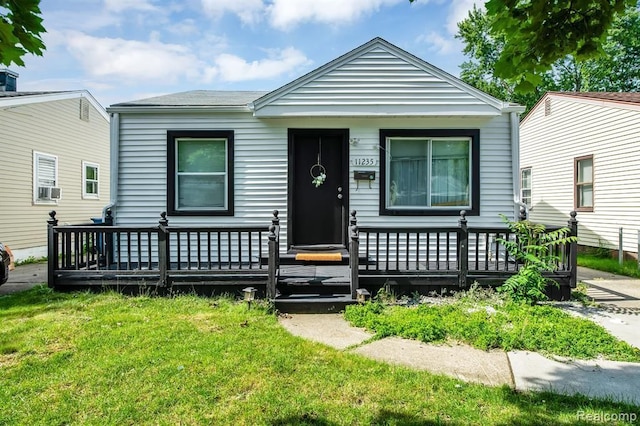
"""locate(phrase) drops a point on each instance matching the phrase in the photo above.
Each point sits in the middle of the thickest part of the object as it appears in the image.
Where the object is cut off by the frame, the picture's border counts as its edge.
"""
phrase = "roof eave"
(177, 108)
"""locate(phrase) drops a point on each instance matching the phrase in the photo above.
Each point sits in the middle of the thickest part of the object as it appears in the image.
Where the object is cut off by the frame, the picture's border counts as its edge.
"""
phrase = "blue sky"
(122, 50)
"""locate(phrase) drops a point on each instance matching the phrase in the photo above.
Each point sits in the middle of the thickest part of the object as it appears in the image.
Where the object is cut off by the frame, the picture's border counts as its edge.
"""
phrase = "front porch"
(166, 260)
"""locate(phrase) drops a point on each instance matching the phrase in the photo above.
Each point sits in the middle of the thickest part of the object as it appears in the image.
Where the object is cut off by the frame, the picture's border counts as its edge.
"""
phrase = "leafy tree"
(20, 29)
(539, 33)
(616, 70)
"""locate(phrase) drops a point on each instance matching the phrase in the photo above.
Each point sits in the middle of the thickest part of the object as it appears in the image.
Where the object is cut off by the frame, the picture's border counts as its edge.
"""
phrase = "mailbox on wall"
(368, 175)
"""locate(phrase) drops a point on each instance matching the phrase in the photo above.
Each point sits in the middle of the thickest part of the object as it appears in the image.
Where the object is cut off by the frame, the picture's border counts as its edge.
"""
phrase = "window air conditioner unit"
(49, 193)
(56, 193)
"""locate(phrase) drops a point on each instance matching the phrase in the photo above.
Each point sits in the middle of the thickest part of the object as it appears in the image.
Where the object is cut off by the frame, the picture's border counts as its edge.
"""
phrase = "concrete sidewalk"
(521, 370)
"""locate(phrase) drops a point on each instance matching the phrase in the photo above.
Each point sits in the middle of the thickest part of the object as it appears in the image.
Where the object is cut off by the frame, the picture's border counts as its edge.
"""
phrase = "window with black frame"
(429, 172)
(200, 172)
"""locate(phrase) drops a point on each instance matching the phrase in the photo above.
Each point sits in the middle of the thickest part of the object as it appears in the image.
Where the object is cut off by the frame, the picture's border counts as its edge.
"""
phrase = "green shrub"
(534, 249)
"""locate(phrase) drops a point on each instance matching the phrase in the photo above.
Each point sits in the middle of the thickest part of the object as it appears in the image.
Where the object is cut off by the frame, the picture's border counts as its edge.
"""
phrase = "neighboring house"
(376, 130)
(54, 156)
(581, 151)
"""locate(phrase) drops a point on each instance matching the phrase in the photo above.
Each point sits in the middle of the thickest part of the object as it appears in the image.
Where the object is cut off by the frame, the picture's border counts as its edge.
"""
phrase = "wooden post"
(354, 252)
(620, 247)
(573, 251)
(52, 249)
(272, 265)
(163, 249)
(108, 238)
(273, 262)
(463, 250)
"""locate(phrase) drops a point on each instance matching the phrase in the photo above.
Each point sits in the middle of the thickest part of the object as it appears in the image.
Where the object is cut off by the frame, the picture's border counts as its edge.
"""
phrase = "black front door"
(317, 204)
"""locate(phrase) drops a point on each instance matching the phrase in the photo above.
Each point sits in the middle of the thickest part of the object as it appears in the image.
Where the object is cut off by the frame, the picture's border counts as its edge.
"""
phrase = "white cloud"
(438, 43)
(233, 68)
(249, 11)
(285, 14)
(458, 11)
(132, 60)
(122, 5)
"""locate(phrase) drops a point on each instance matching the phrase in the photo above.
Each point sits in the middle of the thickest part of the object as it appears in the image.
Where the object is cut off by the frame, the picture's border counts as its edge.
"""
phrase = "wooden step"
(313, 303)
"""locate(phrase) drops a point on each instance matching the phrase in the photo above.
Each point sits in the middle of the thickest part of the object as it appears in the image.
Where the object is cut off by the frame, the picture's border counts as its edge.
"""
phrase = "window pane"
(408, 172)
(201, 191)
(585, 170)
(202, 155)
(526, 179)
(585, 196)
(91, 188)
(92, 173)
(450, 175)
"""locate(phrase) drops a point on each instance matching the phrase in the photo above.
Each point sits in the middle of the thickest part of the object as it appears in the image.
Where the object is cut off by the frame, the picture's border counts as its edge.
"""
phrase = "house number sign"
(364, 161)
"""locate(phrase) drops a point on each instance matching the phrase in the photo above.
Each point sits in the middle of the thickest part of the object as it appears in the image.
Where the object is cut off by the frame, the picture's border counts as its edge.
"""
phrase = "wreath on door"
(317, 171)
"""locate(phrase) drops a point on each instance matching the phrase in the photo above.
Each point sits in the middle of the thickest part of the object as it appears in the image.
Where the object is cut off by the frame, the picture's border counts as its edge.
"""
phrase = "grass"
(629, 268)
(110, 359)
(489, 322)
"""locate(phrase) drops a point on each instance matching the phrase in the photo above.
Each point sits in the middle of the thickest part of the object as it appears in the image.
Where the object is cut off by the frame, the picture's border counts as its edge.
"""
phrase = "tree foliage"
(20, 29)
(539, 33)
(617, 69)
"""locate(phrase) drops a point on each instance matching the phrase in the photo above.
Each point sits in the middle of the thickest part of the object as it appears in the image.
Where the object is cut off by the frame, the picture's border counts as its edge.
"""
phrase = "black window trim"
(474, 134)
(172, 135)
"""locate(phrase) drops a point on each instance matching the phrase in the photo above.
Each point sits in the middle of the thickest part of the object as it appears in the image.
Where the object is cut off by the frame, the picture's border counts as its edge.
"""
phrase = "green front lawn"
(110, 359)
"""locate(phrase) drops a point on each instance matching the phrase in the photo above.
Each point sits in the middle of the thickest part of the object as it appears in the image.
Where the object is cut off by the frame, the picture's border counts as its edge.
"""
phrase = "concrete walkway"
(521, 370)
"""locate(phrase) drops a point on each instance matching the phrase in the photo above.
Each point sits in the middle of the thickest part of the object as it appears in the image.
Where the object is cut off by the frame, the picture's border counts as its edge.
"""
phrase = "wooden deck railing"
(458, 254)
(160, 254)
(165, 255)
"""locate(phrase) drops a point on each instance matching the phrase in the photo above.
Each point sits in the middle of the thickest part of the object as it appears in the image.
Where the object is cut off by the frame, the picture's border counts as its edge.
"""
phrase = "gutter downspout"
(515, 164)
(113, 169)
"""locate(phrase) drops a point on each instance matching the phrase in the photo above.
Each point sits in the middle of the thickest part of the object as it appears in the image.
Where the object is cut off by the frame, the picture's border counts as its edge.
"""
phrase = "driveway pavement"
(25, 277)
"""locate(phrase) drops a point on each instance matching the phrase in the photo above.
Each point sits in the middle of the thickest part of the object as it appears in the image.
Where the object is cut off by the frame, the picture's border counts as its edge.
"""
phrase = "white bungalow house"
(377, 130)
(55, 156)
(580, 151)
(428, 162)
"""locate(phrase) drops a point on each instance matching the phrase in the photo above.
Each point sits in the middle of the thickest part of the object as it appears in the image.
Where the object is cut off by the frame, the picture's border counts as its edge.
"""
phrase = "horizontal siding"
(574, 129)
(373, 82)
(261, 167)
(52, 128)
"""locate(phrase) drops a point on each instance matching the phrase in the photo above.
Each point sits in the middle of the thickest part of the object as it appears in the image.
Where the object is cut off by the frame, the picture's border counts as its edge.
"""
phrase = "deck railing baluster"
(219, 242)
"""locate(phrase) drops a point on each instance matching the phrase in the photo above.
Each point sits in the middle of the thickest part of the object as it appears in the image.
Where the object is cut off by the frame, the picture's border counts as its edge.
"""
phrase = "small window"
(90, 174)
(429, 172)
(583, 195)
(200, 180)
(45, 179)
(525, 186)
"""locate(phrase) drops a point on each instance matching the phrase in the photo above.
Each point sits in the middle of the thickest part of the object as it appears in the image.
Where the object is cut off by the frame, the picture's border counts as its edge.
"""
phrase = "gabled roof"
(627, 100)
(626, 97)
(376, 79)
(8, 99)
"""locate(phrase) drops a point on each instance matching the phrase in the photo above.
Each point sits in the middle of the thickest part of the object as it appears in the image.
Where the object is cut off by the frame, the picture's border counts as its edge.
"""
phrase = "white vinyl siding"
(576, 128)
(90, 180)
(378, 83)
(260, 167)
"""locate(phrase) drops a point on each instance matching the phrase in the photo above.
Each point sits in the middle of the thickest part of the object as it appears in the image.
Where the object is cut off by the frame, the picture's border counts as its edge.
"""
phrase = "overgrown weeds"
(485, 321)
